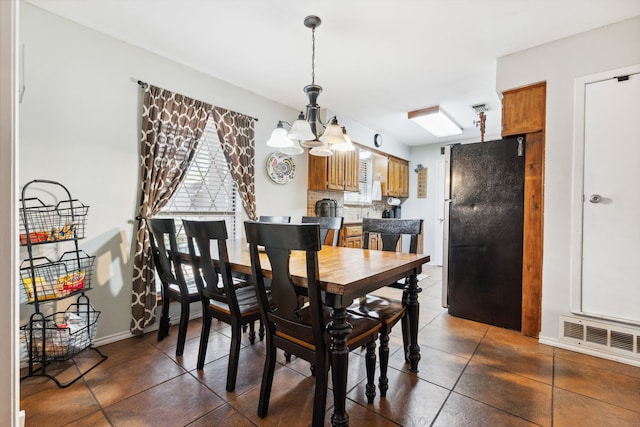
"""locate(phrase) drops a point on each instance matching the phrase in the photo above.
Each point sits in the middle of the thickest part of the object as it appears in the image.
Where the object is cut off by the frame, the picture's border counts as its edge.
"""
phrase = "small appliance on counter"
(326, 207)
(394, 209)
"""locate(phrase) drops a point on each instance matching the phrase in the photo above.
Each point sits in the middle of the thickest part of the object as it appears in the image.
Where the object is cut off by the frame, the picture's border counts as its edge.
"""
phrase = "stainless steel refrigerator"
(484, 205)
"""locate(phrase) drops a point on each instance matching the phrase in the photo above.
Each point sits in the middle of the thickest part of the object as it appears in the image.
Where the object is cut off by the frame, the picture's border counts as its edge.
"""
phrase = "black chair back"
(175, 286)
(282, 311)
(234, 304)
(327, 223)
(277, 219)
(200, 236)
(162, 232)
(390, 231)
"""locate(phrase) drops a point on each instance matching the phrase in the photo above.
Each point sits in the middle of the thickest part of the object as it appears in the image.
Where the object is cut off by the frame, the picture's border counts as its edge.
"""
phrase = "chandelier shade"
(333, 133)
(323, 150)
(301, 130)
(293, 150)
(279, 138)
(347, 146)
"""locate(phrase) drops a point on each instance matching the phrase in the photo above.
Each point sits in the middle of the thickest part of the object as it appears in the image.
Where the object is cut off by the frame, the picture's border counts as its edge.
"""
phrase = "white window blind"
(363, 196)
(208, 191)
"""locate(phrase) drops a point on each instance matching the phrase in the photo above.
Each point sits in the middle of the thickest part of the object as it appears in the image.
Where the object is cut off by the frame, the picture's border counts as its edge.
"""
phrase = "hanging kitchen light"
(347, 146)
(306, 129)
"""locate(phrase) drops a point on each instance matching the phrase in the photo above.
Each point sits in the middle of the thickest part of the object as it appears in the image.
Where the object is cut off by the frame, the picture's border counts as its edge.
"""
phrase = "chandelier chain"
(313, 55)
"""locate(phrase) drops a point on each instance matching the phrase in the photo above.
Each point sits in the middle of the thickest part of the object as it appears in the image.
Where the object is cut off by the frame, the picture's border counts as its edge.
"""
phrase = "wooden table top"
(347, 272)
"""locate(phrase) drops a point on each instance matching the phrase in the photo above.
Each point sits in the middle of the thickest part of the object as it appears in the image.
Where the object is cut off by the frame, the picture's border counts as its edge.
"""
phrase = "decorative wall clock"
(377, 140)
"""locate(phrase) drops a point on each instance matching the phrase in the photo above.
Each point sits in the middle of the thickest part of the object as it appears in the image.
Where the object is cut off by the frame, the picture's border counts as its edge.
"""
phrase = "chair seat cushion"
(175, 293)
(386, 310)
(247, 302)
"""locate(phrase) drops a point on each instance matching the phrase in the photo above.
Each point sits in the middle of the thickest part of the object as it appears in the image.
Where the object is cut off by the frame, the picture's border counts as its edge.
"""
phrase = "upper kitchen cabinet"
(523, 110)
(397, 177)
(338, 172)
(394, 175)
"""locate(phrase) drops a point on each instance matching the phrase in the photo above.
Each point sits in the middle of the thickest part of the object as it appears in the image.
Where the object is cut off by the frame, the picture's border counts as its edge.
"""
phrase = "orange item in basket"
(36, 237)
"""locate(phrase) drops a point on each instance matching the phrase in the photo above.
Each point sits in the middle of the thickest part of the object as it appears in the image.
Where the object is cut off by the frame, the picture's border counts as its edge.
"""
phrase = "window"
(208, 191)
(363, 196)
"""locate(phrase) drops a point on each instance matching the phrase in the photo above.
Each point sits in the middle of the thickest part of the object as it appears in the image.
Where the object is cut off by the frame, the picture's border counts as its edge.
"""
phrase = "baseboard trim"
(109, 339)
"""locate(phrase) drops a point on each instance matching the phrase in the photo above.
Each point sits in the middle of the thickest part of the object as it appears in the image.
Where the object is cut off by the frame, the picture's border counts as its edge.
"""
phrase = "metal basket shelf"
(41, 223)
(61, 335)
(50, 280)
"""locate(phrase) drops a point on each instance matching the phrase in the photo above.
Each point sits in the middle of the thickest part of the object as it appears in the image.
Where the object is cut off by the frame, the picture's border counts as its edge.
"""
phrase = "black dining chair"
(327, 224)
(175, 285)
(228, 302)
(277, 219)
(295, 328)
(388, 310)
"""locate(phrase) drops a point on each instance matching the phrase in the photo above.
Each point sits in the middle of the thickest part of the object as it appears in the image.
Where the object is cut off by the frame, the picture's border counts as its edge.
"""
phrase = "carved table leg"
(339, 329)
(413, 311)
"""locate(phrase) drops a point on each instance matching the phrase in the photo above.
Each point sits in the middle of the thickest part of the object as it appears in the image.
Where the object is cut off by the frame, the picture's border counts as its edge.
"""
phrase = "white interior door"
(611, 199)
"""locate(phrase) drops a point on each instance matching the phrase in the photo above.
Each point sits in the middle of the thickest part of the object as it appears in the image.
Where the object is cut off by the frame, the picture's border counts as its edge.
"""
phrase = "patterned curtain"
(171, 127)
(236, 134)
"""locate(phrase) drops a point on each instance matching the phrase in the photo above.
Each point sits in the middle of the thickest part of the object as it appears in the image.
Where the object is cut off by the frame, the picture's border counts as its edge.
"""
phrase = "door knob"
(595, 198)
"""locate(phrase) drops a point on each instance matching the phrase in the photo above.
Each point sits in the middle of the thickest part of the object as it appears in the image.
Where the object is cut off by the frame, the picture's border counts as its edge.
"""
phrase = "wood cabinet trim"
(524, 112)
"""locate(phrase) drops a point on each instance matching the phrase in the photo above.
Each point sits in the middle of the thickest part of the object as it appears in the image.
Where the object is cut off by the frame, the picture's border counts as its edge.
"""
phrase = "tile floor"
(470, 374)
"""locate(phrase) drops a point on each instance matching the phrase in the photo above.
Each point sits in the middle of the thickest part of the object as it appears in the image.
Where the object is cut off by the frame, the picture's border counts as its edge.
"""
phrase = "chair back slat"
(390, 230)
(327, 223)
(201, 235)
(162, 236)
(283, 310)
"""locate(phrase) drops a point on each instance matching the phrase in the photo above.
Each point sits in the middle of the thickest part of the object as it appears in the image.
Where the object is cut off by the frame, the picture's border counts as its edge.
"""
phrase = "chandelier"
(305, 131)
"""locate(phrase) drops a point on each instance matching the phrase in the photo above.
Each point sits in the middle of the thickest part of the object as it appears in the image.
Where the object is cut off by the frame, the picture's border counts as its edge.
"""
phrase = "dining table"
(345, 275)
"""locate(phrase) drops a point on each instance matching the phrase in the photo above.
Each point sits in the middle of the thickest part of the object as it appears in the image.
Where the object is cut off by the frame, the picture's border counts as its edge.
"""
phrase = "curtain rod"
(145, 84)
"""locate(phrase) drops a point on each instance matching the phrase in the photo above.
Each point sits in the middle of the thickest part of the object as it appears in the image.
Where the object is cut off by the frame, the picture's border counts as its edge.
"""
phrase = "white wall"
(427, 156)
(559, 64)
(79, 126)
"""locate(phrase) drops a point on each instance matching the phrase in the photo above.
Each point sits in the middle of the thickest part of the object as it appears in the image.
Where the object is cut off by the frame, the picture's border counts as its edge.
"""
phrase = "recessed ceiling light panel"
(435, 121)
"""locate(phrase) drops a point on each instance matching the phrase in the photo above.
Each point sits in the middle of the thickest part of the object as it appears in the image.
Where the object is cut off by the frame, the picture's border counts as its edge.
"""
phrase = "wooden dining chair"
(295, 328)
(175, 287)
(388, 310)
(231, 303)
(278, 219)
(327, 224)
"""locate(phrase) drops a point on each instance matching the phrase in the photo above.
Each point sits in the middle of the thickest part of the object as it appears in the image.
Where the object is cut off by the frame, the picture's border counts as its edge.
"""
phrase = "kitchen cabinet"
(403, 177)
(394, 175)
(338, 172)
(523, 110)
(351, 235)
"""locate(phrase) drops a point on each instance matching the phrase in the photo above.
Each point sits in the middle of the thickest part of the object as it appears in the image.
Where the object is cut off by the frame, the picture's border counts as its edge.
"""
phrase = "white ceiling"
(375, 59)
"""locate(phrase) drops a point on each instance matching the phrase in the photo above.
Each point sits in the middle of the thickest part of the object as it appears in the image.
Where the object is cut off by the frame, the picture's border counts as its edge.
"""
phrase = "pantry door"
(611, 199)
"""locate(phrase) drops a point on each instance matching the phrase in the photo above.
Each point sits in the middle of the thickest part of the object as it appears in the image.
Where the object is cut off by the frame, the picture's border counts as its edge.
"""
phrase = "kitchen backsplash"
(351, 213)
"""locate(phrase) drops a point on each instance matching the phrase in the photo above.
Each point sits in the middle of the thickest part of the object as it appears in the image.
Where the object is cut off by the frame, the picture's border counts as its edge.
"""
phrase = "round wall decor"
(280, 168)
